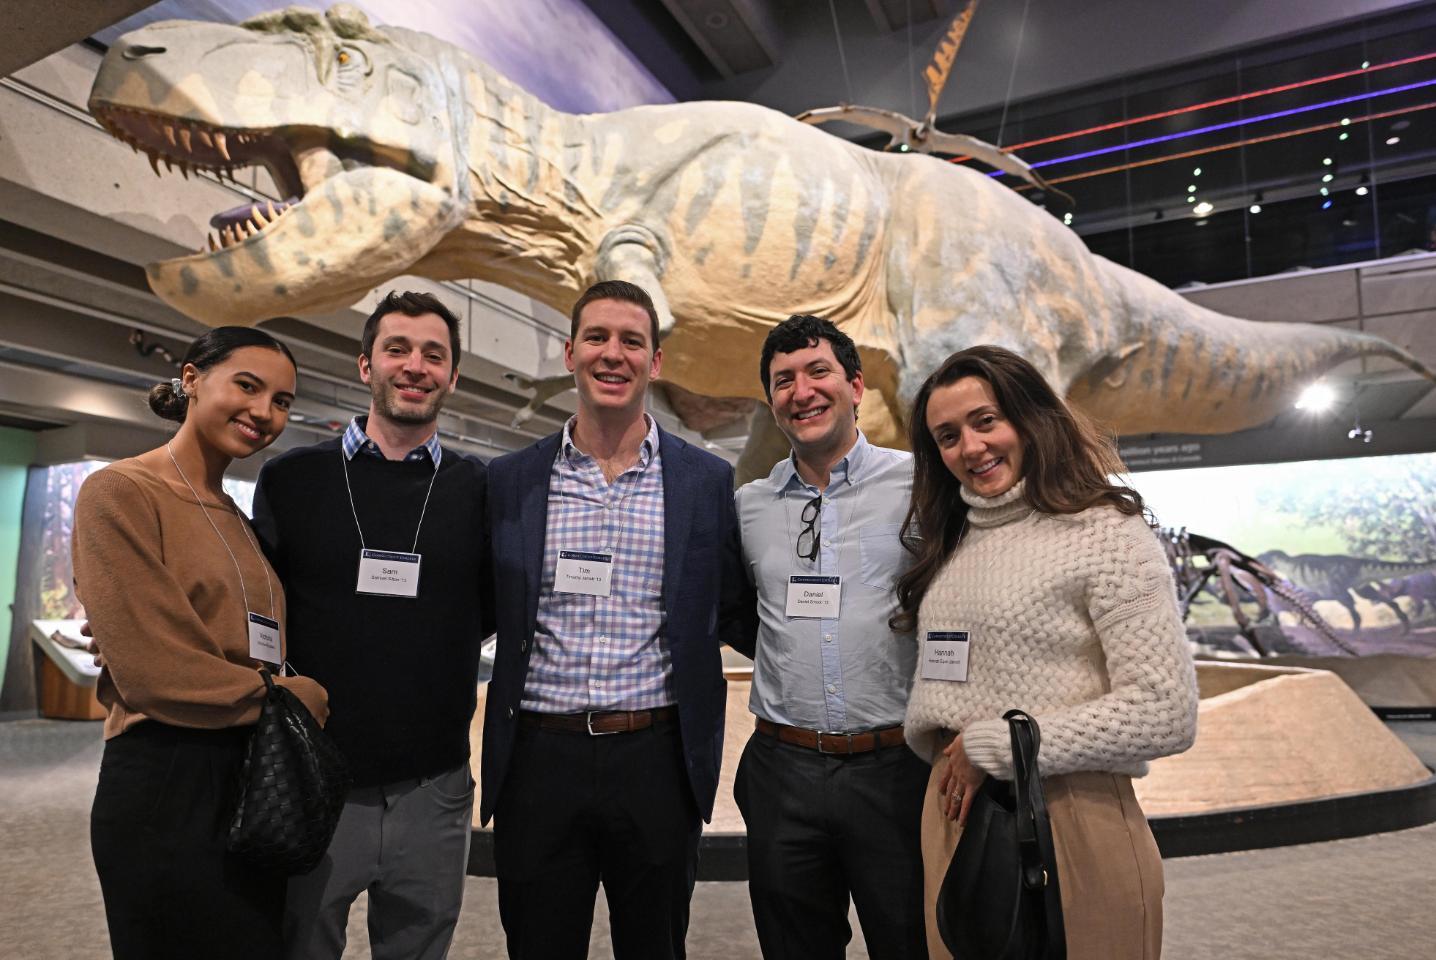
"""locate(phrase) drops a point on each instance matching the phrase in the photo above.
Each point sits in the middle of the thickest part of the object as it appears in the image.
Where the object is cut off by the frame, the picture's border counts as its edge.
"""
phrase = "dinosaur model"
(904, 133)
(1203, 563)
(1341, 578)
(396, 153)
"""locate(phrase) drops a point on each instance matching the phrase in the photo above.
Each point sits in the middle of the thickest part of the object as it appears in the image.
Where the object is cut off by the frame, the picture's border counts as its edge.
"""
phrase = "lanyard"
(344, 461)
(243, 526)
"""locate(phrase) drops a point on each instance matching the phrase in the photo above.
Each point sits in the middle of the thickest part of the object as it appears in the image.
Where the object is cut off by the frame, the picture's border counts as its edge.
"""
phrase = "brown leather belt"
(843, 743)
(597, 723)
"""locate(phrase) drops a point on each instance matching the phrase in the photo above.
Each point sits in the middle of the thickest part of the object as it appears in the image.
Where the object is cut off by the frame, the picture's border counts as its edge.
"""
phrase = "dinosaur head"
(356, 126)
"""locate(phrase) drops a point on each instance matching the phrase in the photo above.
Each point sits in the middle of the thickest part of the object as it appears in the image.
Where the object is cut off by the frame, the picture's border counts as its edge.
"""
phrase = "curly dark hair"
(410, 303)
(801, 331)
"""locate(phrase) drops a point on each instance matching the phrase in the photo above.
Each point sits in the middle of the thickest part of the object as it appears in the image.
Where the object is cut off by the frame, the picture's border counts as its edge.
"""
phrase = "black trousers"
(822, 828)
(577, 811)
(157, 833)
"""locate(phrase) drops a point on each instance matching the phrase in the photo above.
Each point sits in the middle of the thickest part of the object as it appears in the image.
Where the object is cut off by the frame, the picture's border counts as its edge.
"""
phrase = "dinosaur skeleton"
(924, 137)
(1200, 562)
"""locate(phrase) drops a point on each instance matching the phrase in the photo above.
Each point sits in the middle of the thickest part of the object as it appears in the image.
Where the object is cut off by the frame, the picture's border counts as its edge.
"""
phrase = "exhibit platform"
(1283, 755)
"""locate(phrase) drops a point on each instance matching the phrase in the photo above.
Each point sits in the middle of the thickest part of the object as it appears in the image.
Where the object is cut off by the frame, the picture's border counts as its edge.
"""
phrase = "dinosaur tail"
(1193, 370)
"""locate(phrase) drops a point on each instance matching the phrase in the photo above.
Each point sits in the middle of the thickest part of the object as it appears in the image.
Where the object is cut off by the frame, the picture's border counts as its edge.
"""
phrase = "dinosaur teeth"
(184, 170)
(186, 139)
(259, 218)
(213, 245)
(221, 146)
(169, 130)
(269, 206)
(205, 138)
(155, 162)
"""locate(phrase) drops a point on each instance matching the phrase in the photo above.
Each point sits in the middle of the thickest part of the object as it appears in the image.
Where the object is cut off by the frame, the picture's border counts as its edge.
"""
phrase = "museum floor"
(1368, 897)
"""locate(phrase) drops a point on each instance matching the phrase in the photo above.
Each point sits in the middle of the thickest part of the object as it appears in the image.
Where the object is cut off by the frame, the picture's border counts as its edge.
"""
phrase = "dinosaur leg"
(633, 253)
(1376, 595)
(766, 446)
(1350, 605)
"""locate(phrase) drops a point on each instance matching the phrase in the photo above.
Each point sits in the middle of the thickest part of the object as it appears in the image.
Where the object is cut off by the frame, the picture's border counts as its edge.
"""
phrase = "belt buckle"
(588, 722)
(835, 753)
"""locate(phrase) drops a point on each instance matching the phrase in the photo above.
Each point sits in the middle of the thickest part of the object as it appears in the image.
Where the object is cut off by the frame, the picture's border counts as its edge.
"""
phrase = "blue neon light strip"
(1165, 138)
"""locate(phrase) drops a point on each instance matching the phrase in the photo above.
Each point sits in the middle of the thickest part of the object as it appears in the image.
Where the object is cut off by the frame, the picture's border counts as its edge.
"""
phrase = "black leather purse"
(292, 787)
(1000, 899)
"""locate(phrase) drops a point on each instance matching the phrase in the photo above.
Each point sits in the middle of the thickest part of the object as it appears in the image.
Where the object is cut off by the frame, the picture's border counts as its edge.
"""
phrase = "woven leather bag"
(292, 788)
(1000, 899)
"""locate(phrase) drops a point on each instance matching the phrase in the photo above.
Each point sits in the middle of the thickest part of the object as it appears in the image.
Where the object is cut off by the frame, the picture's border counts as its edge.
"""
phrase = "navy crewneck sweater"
(402, 674)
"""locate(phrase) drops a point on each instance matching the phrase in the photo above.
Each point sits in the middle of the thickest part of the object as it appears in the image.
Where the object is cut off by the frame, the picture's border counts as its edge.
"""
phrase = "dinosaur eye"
(344, 57)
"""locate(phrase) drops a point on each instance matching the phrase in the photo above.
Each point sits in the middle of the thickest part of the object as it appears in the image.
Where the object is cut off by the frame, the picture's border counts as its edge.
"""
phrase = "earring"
(177, 388)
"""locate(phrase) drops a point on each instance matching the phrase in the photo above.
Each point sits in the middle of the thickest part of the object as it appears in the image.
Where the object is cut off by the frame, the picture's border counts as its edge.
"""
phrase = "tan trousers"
(1107, 864)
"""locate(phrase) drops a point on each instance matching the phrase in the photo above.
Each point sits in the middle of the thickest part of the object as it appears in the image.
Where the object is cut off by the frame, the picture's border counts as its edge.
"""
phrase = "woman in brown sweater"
(184, 610)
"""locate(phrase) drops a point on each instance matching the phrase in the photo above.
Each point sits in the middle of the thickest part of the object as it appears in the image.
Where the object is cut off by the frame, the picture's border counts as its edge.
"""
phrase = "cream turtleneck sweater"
(1072, 618)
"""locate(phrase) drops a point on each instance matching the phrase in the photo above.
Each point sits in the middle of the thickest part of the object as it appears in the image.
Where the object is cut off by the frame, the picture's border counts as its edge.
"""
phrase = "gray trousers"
(407, 844)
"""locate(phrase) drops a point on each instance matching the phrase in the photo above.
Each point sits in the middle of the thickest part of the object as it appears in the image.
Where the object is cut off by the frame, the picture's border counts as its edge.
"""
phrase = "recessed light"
(1326, 161)
(1326, 204)
(1202, 209)
(1365, 64)
(1192, 188)
(1362, 191)
(1343, 136)
(1326, 179)
(1255, 208)
(1392, 141)
(1191, 199)
(1346, 121)
(1197, 172)
(1316, 398)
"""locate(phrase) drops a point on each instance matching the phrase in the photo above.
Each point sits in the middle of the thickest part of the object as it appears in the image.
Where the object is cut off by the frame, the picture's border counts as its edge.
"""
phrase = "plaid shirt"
(603, 653)
(356, 440)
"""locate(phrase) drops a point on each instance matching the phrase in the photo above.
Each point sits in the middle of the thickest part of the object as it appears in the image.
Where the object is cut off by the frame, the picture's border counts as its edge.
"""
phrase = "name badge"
(386, 574)
(590, 574)
(814, 598)
(944, 655)
(264, 638)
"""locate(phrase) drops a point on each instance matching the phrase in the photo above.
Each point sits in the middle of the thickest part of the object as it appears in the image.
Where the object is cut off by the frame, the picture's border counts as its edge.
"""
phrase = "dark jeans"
(578, 810)
(157, 832)
(822, 828)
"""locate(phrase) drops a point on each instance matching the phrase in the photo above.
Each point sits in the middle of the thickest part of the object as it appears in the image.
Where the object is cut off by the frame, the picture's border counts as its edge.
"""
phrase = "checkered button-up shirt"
(603, 653)
(356, 440)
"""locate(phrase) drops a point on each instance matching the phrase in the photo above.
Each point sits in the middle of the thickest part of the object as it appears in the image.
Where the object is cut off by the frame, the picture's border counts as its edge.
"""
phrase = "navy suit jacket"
(704, 595)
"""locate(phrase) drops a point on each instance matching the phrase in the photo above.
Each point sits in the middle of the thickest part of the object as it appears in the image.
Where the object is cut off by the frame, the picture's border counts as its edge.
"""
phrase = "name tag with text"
(814, 598)
(264, 638)
(387, 573)
(944, 655)
(590, 574)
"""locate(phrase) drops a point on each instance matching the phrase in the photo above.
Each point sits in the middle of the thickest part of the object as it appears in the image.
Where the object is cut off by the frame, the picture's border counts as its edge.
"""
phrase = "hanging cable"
(1012, 74)
(842, 57)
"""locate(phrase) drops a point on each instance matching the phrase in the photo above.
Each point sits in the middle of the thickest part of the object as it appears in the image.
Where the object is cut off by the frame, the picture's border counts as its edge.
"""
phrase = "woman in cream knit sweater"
(1070, 614)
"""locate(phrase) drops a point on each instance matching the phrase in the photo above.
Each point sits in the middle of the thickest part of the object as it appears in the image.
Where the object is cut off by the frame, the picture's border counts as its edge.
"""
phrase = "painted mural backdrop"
(1358, 536)
(56, 583)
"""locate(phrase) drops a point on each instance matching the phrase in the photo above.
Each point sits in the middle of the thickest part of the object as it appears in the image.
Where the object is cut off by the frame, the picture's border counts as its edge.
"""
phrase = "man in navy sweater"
(380, 539)
(616, 558)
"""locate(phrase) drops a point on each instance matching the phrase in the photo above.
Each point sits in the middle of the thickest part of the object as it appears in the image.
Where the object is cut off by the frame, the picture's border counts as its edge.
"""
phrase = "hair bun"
(168, 403)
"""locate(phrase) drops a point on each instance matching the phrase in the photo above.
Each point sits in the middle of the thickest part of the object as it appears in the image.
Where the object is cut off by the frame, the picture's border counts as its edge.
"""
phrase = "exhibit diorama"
(1211, 226)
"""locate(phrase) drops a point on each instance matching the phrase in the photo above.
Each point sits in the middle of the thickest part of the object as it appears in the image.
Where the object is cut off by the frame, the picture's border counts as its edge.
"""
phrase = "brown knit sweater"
(165, 604)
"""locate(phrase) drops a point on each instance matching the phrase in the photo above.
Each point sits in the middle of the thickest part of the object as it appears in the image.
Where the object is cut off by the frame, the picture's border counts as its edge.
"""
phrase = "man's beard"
(391, 408)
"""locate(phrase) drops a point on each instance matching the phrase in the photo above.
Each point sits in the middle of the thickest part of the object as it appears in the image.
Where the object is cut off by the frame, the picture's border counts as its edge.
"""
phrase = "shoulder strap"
(1034, 829)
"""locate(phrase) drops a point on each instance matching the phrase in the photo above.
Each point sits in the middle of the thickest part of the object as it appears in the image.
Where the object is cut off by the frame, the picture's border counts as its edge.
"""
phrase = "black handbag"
(292, 787)
(1000, 899)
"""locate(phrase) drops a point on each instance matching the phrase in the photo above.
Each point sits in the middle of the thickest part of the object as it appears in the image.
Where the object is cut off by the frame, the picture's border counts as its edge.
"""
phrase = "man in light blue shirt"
(831, 794)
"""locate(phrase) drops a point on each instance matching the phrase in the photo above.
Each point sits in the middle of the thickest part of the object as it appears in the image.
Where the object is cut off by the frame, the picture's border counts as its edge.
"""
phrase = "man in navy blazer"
(617, 570)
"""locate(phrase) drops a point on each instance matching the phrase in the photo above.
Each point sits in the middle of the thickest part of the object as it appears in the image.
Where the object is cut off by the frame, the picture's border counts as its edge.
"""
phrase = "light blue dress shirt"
(852, 673)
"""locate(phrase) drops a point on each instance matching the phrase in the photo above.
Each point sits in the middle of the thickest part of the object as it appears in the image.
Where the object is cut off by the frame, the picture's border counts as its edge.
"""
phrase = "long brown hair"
(1066, 462)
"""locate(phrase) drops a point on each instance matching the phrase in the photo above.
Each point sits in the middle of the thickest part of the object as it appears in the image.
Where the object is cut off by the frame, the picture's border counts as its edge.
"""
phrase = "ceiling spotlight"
(1326, 161)
(1191, 199)
(1325, 192)
(1365, 64)
(1400, 125)
(1346, 121)
(1392, 141)
(1192, 188)
(1317, 398)
(902, 147)
(1344, 135)
(1362, 191)
(1197, 172)
(1067, 218)
(1326, 205)
(1326, 179)
(1255, 208)
(1202, 209)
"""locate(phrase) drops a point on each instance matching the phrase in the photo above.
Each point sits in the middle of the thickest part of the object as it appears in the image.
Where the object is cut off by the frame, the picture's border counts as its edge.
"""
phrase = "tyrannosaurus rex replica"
(400, 153)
